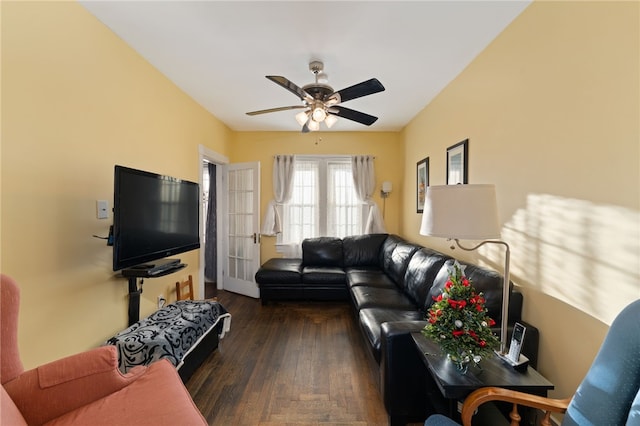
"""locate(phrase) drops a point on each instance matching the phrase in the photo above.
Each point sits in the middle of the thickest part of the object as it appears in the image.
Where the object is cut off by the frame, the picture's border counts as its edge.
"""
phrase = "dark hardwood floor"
(294, 363)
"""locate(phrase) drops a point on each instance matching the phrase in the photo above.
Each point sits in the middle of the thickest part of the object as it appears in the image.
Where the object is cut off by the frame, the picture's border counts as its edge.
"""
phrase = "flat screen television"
(154, 216)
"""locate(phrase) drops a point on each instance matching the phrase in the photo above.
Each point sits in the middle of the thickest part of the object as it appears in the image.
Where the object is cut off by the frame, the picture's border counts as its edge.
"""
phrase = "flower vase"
(460, 361)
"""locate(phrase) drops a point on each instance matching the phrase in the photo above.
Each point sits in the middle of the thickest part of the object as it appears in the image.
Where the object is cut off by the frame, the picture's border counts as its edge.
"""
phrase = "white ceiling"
(218, 52)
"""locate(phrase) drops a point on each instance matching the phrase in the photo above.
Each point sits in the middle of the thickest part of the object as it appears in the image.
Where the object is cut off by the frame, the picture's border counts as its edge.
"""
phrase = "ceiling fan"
(321, 104)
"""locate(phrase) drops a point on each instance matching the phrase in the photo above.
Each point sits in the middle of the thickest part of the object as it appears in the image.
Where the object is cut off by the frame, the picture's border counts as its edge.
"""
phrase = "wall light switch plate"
(102, 207)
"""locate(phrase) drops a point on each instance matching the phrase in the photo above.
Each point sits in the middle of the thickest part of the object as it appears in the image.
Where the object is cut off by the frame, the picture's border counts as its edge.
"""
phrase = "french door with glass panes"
(242, 224)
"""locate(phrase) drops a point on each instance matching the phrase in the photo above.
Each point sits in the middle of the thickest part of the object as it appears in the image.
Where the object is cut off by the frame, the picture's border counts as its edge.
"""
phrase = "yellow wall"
(75, 101)
(551, 109)
(386, 147)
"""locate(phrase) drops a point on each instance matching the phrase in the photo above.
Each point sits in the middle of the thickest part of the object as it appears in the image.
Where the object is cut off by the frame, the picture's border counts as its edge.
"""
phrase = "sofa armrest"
(48, 391)
(405, 384)
(516, 300)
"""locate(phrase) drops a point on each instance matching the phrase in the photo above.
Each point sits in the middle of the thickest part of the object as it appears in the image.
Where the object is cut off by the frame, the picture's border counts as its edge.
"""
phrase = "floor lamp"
(468, 212)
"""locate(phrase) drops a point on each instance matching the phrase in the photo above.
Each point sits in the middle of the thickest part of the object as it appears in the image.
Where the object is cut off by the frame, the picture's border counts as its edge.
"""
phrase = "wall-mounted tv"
(154, 216)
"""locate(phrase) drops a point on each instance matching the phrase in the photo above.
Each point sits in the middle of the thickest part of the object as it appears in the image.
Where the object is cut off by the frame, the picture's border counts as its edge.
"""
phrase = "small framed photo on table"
(458, 163)
(422, 181)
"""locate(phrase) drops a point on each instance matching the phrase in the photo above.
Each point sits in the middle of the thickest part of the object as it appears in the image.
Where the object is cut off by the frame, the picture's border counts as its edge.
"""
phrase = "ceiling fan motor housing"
(318, 91)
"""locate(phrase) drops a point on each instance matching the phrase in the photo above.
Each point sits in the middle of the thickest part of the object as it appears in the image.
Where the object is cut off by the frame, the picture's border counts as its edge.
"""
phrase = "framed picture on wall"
(458, 163)
(422, 181)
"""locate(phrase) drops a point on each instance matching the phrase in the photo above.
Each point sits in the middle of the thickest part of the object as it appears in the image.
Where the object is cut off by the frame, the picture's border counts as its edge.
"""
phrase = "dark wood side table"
(455, 386)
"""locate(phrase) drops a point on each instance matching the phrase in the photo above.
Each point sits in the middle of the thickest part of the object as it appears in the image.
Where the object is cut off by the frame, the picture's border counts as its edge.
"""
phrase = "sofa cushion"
(396, 265)
(324, 275)
(421, 272)
(376, 297)
(164, 401)
(37, 392)
(484, 280)
(280, 271)
(322, 251)
(387, 248)
(371, 320)
(368, 277)
(362, 250)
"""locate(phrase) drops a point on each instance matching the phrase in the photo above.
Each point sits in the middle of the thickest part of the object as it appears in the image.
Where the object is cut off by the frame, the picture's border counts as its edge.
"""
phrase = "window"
(324, 201)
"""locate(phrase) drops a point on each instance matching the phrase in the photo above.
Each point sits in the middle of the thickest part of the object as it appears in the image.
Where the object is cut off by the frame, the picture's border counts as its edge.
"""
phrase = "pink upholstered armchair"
(86, 388)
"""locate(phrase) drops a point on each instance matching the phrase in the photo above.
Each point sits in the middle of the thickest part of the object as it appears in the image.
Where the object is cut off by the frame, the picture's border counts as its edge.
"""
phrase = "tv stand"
(156, 268)
(148, 270)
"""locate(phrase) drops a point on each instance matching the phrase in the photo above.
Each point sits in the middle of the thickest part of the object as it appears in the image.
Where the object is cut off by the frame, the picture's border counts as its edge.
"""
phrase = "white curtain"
(364, 179)
(282, 188)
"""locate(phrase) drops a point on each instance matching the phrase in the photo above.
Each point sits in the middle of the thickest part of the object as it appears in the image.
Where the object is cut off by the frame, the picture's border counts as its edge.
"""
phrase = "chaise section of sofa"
(319, 275)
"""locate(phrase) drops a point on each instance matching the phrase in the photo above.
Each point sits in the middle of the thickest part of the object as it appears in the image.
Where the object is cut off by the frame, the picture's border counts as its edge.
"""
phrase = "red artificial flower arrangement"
(459, 322)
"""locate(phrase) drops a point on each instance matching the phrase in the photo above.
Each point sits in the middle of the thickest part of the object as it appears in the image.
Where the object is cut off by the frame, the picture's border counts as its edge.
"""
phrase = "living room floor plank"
(289, 363)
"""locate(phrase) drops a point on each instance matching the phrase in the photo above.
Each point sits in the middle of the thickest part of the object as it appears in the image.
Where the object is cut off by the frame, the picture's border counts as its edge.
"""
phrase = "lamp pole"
(505, 289)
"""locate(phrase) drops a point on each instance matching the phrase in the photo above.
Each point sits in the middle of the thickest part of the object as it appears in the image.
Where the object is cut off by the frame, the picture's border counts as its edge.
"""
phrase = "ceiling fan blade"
(354, 115)
(264, 111)
(290, 86)
(359, 90)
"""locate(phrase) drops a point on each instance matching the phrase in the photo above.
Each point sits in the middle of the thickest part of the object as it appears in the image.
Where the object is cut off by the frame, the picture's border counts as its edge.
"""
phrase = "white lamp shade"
(387, 187)
(319, 114)
(465, 212)
(330, 120)
(302, 117)
(313, 125)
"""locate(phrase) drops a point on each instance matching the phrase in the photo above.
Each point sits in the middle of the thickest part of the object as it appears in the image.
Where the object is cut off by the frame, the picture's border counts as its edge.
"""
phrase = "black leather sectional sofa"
(391, 284)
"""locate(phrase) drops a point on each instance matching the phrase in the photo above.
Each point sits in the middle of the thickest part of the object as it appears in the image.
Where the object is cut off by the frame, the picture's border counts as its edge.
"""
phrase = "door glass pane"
(232, 267)
(240, 212)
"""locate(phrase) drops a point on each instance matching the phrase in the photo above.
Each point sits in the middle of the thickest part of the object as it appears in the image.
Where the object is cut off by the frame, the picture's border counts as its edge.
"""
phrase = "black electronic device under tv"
(154, 216)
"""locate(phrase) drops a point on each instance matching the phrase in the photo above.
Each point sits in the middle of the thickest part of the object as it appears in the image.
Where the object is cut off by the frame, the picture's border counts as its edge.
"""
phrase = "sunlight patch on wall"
(582, 253)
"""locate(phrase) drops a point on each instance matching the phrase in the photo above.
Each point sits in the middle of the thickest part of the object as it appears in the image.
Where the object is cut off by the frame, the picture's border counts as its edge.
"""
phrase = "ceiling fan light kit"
(321, 103)
(330, 120)
(319, 114)
(312, 125)
(302, 117)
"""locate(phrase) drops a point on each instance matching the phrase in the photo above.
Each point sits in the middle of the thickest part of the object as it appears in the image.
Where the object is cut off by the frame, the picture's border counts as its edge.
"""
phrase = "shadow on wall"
(585, 254)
